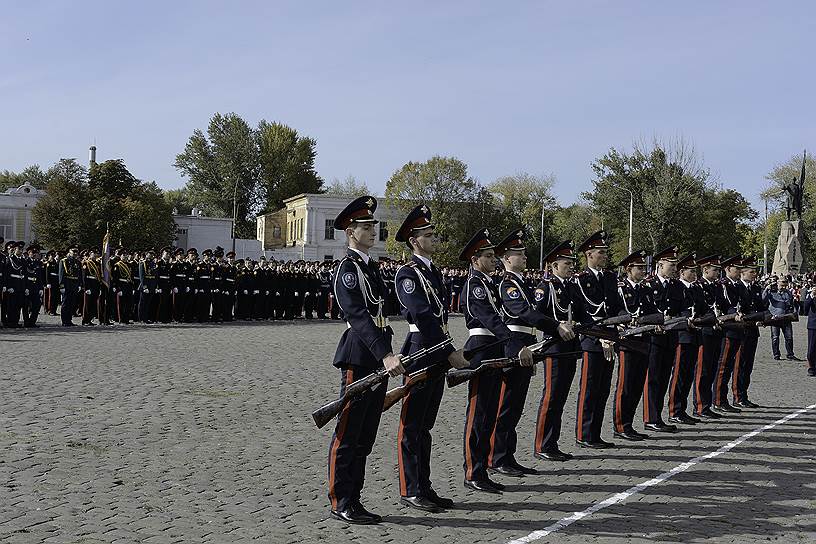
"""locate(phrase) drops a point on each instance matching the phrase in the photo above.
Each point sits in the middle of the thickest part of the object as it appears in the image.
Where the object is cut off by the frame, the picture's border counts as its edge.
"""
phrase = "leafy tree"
(520, 200)
(179, 200)
(286, 164)
(459, 205)
(79, 206)
(31, 174)
(675, 201)
(223, 171)
(574, 222)
(349, 187)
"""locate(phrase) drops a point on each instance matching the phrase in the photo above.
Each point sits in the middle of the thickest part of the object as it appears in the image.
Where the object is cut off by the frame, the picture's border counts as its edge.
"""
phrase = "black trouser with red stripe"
(631, 377)
(417, 418)
(558, 375)
(661, 359)
(595, 383)
(480, 416)
(744, 366)
(728, 354)
(124, 304)
(515, 382)
(353, 438)
(705, 370)
(682, 377)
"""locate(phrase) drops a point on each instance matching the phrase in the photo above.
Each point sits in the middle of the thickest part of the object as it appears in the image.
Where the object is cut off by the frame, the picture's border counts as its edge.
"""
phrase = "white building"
(15, 212)
(196, 230)
(309, 232)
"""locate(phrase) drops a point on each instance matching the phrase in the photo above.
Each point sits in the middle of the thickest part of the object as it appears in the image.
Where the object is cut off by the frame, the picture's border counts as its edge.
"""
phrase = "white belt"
(414, 328)
(164, 277)
(181, 275)
(480, 332)
(15, 276)
(520, 328)
(203, 277)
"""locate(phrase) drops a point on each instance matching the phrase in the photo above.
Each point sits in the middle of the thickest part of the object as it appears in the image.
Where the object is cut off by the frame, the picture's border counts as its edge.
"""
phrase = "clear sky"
(541, 87)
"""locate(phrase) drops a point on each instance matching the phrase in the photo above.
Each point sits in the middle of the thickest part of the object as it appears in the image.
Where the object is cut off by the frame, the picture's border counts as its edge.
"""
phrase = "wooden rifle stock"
(328, 411)
(456, 377)
(651, 319)
(398, 393)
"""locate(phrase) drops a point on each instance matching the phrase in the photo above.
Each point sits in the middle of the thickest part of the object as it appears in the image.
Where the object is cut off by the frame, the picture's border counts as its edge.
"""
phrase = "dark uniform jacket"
(712, 302)
(668, 297)
(424, 303)
(558, 298)
(147, 276)
(734, 298)
(636, 300)
(599, 295)
(481, 305)
(69, 274)
(694, 305)
(359, 291)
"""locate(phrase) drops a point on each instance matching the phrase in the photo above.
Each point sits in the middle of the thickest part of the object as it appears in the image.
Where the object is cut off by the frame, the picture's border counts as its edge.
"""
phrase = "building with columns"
(15, 212)
(304, 229)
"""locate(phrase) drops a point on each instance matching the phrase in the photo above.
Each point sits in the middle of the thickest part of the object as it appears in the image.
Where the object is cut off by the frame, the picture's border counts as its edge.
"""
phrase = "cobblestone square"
(203, 433)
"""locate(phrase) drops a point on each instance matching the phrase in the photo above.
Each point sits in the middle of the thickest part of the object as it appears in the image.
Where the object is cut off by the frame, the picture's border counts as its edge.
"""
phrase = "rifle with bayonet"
(327, 412)
(456, 377)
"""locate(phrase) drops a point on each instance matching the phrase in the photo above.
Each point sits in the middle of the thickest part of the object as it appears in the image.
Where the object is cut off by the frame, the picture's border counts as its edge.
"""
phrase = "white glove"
(296, 293)
(87, 291)
(175, 290)
(187, 290)
(25, 292)
(266, 293)
(277, 294)
(255, 292)
(62, 291)
(4, 289)
(48, 285)
(11, 290)
(608, 349)
(41, 293)
(246, 292)
(158, 290)
(118, 293)
(146, 291)
(215, 290)
(306, 294)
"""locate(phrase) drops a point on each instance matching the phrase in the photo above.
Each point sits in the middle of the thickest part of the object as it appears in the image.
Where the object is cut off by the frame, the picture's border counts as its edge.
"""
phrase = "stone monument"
(788, 257)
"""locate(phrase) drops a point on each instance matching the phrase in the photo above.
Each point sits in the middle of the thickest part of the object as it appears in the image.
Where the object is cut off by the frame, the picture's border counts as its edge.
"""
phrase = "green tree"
(286, 164)
(459, 205)
(574, 222)
(348, 187)
(675, 201)
(520, 200)
(79, 206)
(223, 171)
(31, 174)
(179, 200)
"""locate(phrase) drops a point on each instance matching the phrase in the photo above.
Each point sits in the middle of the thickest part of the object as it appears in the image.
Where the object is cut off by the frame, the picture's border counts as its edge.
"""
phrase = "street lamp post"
(541, 240)
(631, 213)
(234, 212)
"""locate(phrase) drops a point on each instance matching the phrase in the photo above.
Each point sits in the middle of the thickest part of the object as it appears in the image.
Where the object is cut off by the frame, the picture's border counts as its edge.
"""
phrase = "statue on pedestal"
(788, 258)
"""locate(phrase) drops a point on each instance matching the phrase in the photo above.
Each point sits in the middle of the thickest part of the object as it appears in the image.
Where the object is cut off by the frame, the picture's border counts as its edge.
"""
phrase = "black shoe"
(69, 324)
(486, 486)
(727, 408)
(421, 503)
(746, 404)
(553, 455)
(507, 470)
(683, 419)
(811, 372)
(355, 513)
(793, 358)
(777, 358)
(598, 445)
(660, 427)
(643, 436)
(707, 414)
(525, 470)
(495, 484)
(441, 502)
(628, 435)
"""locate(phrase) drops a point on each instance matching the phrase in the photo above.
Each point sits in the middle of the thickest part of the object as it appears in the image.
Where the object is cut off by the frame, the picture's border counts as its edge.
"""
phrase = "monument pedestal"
(788, 257)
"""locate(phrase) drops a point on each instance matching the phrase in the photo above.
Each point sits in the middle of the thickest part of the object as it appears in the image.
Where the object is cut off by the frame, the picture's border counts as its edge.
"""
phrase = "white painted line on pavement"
(619, 497)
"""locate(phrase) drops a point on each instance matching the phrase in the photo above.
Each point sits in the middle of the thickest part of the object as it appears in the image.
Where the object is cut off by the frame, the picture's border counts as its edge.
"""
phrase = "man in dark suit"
(735, 299)
(364, 348)
(711, 339)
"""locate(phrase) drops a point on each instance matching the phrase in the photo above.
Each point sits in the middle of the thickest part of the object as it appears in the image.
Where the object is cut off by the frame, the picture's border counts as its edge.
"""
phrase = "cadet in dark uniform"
(558, 297)
(636, 300)
(735, 299)
(599, 295)
(744, 361)
(179, 285)
(15, 283)
(662, 347)
(92, 288)
(482, 307)
(69, 285)
(203, 278)
(810, 312)
(34, 286)
(324, 276)
(364, 348)
(228, 291)
(51, 283)
(424, 301)
(688, 342)
(122, 286)
(3, 264)
(190, 309)
(711, 339)
(164, 293)
(147, 286)
(523, 320)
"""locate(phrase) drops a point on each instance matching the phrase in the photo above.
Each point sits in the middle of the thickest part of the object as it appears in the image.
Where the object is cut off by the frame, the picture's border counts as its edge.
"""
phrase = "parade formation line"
(634, 490)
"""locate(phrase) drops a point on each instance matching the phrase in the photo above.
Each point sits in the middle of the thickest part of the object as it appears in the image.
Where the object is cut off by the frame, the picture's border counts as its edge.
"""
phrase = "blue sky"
(541, 87)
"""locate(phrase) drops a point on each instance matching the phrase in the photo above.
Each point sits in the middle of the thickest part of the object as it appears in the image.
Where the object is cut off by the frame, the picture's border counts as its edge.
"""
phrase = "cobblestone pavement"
(203, 434)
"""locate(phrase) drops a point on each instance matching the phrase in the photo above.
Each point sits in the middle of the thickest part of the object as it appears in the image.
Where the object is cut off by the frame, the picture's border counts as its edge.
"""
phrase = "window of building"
(383, 231)
(300, 228)
(276, 231)
(328, 233)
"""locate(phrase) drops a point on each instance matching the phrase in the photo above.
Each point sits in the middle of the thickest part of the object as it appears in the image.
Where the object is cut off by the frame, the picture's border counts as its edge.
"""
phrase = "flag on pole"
(802, 176)
(106, 268)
